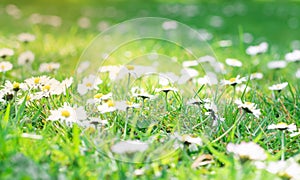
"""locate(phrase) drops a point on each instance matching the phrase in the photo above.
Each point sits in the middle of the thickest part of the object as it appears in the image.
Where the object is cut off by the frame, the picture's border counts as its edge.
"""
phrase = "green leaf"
(6, 115)
(76, 138)
(21, 110)
(220, 156)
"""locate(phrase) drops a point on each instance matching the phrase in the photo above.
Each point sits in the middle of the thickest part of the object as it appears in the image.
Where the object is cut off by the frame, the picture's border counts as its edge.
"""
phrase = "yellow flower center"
(282, 124)
(232, 79)
(2, 67)
(65, 113)
(28, 98)
(130, 67)
(248, 103)
(16, 85)
(46, 87)
(167, 87)
(50, 68)
(88, 84)
(36, 80)
(98, 96)
(110, 103)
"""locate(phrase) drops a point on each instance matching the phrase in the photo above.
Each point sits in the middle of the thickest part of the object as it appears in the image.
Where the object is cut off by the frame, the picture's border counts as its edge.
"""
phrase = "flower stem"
(16, 105)
(282, 145)
(233, 94)
(228, 130)
(126, 123)
(166, 101)
(128, 82)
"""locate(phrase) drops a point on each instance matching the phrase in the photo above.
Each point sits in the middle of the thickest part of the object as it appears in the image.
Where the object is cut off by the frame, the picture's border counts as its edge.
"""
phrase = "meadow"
(149, 90)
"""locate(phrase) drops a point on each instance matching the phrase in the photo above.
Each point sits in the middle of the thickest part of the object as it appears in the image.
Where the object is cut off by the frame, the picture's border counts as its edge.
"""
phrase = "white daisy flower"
(99, 97)
(102, 26)
(37, 82)
(166, 89)
(51, 20)
(225, 43)
(190, 63)
(5, 52)
(256, 75)
(233, 62)
(49, 67)
(9, 91)
(68, 114)
(293, 56)
(206, 59)
(283, 126)
(5, 96)
(139, 172)
(277, 64)
(124, 105)
(140, 92)
(103, 96)
(259, 49)
(296, 133)
(192, 140)
(187, 74)
(93, 122)
(247, 150)
(216, 21)
(84, 22)
(13, 11)
(106, 107)
(14, 87)
(26, 57)
(26, 37)
(52, 87)
(129, 147)
(5, 66)
(278, 87)
(289, 169)
(234, 81)
(89, 83)
(248, 107)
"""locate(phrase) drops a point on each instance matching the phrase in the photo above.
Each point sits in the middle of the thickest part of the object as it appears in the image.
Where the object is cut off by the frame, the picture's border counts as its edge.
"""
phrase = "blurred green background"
(276, 22)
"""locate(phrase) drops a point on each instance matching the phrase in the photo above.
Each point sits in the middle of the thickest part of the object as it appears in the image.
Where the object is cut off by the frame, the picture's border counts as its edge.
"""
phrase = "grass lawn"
(98, 90)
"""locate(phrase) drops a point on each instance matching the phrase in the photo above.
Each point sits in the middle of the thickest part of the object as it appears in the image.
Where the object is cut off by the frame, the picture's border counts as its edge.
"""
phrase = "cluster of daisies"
(257, 156)
(33, 89)
(25, 58)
